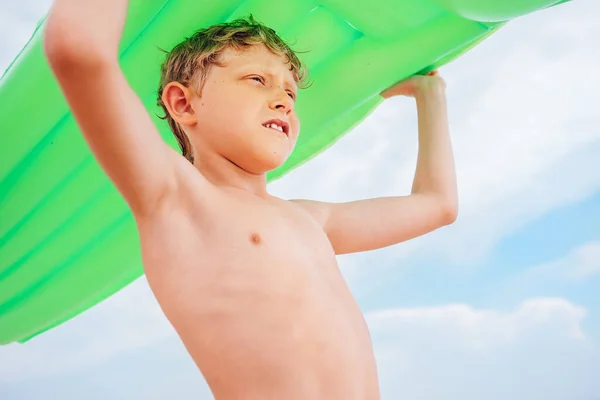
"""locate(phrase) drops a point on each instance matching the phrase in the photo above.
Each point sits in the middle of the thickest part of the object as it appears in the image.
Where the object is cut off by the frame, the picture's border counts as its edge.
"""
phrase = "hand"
(414, 85)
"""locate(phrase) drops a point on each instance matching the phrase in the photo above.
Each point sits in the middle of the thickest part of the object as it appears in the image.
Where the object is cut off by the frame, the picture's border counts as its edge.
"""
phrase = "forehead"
(258, 56)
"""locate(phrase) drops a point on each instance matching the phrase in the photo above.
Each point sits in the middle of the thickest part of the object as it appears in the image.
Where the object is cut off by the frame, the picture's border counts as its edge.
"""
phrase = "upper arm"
(371, 224)
(117, 128)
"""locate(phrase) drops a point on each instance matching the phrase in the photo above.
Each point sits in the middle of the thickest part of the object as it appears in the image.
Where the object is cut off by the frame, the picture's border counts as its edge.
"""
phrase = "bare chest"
(240, 248)
(259, 282)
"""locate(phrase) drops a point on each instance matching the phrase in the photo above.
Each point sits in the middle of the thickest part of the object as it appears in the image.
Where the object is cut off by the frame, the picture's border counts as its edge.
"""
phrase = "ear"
(177, 98)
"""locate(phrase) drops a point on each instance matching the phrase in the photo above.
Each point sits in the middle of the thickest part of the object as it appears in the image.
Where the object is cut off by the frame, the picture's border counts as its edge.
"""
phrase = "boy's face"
(240, 101)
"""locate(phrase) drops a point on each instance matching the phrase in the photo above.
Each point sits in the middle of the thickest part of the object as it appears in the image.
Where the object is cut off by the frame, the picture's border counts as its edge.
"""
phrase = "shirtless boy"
(249, 281)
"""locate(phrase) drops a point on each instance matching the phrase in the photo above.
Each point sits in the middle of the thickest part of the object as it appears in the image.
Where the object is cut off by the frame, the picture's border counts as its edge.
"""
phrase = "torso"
(253, 289)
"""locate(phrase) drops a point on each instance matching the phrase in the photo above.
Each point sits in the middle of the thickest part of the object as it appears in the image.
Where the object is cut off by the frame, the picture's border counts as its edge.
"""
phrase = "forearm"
(85, 29)
(435, 172)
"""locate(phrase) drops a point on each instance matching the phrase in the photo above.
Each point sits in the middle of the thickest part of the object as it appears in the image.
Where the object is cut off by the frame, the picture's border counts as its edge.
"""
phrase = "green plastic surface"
(67, 239)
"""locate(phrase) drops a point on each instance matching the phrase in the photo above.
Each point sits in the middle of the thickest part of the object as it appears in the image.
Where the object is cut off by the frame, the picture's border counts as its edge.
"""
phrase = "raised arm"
(375, 223)
(81, 41)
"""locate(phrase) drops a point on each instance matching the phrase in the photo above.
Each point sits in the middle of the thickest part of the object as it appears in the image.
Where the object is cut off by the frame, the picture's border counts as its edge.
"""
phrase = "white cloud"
(162, 370)
(537, 351)
(480, 330)
(129, 320)
(582, 262)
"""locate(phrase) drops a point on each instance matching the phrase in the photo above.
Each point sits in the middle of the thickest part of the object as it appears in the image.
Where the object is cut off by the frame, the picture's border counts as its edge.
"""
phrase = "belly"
(284, 334)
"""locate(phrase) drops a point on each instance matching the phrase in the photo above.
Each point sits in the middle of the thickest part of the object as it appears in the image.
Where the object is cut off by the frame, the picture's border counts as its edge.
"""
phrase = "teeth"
(275, 126)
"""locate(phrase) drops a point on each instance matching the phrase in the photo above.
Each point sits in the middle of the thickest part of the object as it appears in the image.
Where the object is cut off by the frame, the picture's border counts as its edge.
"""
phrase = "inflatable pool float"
(67, 239)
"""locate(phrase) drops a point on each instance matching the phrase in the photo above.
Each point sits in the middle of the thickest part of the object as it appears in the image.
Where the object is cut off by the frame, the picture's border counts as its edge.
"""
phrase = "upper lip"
(281, 123)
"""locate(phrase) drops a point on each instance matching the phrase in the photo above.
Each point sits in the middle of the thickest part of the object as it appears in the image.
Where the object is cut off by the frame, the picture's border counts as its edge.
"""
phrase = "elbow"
(58, 46)
(57, 55)
(446, 209)
(448, 212)
(63, 56)
(65, 51)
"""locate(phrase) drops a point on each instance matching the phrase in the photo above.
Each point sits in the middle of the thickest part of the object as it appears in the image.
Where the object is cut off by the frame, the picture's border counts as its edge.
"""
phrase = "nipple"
(255, 238)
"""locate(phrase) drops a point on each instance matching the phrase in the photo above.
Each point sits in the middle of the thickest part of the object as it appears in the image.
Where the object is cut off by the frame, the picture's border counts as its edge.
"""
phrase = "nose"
(281, 102)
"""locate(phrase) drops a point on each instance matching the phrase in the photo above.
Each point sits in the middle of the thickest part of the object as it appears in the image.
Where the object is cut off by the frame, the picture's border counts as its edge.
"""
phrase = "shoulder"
(318, 210)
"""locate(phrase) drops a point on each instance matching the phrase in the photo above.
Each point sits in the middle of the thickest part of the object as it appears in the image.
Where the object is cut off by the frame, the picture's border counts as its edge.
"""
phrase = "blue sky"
(503, 304)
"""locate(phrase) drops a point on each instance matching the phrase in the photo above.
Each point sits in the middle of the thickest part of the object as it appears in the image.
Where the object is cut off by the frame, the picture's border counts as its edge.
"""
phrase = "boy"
(249, 281)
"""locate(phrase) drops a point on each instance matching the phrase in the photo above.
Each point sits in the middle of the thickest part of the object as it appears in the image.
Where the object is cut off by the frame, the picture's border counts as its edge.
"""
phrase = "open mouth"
(278, 125)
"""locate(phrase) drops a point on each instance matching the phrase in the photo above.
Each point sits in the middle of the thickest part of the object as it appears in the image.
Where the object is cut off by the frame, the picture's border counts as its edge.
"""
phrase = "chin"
(268, 165)
(264, 163)
(260, 157)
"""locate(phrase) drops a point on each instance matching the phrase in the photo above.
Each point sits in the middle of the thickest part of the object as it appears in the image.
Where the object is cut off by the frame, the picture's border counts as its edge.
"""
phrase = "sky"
(502, 304)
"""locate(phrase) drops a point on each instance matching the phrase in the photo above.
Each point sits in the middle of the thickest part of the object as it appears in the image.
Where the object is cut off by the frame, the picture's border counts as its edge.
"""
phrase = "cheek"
(228, 109)
(295, 125)
(218, 97)
(216, 110)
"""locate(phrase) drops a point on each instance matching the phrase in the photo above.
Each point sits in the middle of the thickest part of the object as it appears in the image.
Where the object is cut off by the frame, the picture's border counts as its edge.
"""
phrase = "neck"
(224, 173)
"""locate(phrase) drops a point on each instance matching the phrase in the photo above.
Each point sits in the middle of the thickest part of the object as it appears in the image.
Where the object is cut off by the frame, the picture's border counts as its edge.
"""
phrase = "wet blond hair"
(189, 62)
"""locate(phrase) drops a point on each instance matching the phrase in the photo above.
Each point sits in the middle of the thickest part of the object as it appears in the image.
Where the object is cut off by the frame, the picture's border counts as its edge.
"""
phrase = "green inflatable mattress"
(67, 239)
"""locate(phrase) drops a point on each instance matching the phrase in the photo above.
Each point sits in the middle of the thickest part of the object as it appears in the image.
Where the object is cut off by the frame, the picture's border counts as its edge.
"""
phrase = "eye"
(258, 78)
(292, 95)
